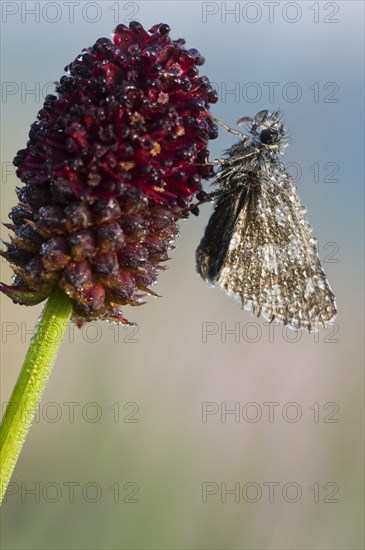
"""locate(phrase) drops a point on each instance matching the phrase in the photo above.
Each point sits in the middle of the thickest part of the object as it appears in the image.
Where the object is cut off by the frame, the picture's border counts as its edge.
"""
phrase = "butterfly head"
(267, 130)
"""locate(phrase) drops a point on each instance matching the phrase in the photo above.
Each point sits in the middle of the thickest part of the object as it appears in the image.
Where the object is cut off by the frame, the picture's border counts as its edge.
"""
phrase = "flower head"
(111, 164)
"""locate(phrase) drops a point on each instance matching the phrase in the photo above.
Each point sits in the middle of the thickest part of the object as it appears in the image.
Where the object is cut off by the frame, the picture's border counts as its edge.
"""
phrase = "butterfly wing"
(212, 251)
(272, 264)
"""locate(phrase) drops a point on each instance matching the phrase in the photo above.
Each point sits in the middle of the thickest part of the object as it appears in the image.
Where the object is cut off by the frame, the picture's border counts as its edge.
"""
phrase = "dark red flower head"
(111, 163)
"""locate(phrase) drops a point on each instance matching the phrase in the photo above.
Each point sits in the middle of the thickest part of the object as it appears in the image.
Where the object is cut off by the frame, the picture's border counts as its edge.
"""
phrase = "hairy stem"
(31, 382)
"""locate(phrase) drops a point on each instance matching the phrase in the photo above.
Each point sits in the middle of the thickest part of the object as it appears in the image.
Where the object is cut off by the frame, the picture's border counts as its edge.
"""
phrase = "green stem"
(31, 382)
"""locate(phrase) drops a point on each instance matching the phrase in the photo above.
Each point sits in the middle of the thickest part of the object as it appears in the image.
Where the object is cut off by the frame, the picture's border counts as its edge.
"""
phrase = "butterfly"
(258, 245)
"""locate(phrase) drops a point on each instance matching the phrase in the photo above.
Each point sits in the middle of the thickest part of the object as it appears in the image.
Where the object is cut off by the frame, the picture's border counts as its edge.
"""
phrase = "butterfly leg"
(228, 128)
(218, 162)
(202, 197)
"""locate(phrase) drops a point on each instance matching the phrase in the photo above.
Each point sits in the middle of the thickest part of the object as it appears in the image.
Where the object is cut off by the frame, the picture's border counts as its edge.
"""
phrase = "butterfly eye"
(269, 136)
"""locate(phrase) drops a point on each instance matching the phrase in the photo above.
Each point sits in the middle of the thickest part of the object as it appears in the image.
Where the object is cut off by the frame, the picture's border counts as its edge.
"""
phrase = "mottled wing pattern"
(272, 264)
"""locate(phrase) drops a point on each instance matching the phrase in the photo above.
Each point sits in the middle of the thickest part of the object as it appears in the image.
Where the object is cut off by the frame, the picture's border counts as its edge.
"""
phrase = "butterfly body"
(258, 245)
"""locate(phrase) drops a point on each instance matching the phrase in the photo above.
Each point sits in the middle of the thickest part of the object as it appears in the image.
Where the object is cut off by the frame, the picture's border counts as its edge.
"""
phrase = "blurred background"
(203, 427)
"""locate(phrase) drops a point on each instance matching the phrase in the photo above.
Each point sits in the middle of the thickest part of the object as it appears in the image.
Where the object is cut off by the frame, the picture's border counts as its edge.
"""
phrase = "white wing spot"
(235, 241)
(309, 289)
